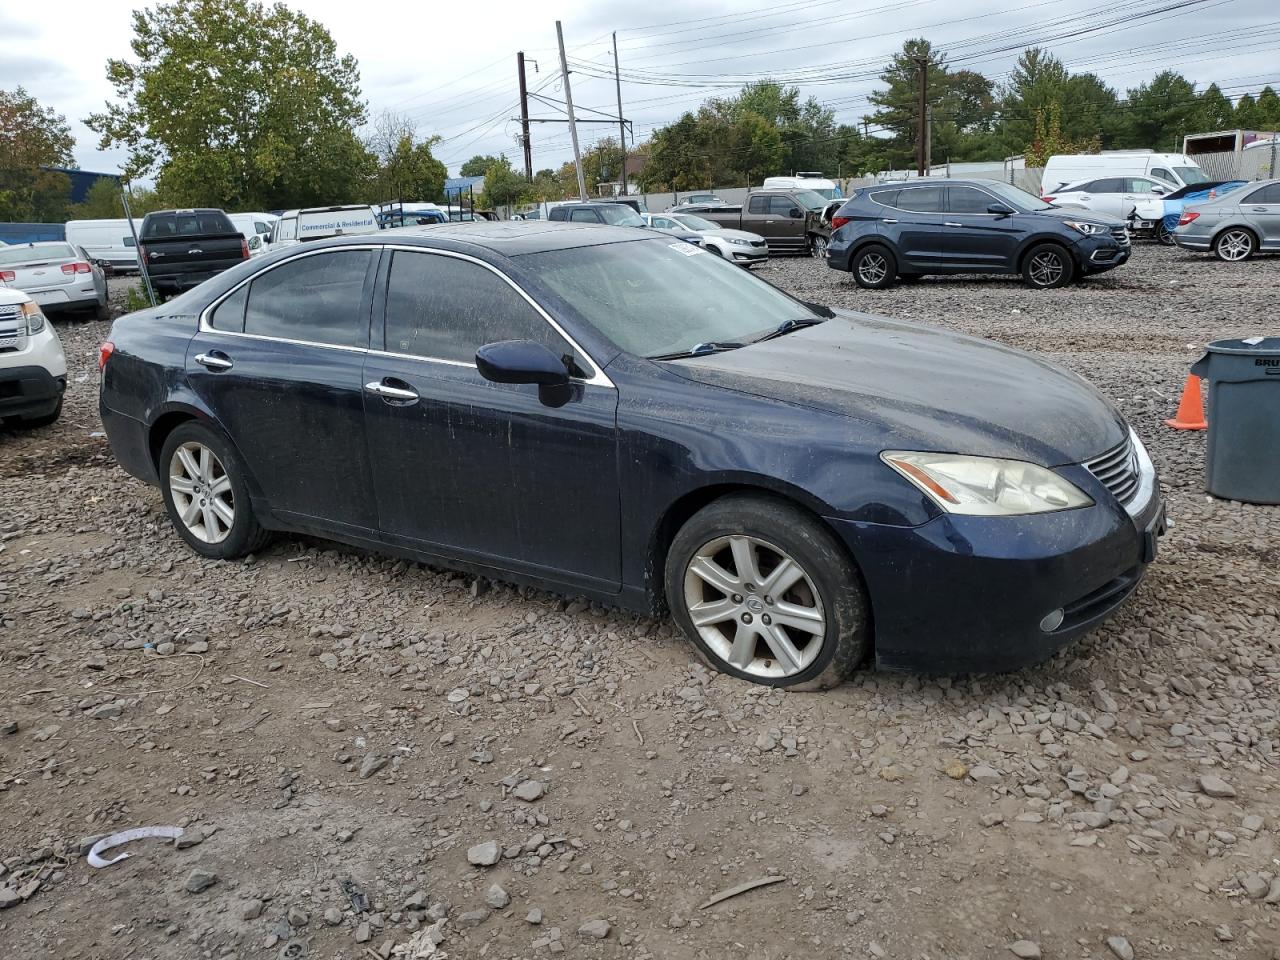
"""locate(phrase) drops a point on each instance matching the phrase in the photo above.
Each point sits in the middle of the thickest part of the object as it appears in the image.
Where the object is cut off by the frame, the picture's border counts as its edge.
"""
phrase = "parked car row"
(621, 415)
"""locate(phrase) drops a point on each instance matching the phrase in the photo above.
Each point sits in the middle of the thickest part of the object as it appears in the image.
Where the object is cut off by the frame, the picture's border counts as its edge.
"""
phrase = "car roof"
(507, 238)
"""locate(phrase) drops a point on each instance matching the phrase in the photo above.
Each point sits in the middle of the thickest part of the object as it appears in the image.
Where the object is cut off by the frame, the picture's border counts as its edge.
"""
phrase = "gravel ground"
(373, 758)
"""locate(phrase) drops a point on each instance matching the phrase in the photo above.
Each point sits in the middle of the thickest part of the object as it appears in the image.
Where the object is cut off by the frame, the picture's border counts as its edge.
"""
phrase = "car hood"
(1092, 216)
(731, 234)
(920, 388)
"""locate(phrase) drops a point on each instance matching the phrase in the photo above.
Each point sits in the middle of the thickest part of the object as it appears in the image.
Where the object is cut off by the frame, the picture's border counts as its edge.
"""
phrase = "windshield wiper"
(787, 326)
(698, 350)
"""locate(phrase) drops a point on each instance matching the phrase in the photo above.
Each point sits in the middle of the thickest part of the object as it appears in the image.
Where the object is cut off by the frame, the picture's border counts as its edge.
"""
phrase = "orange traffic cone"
(1190, 415)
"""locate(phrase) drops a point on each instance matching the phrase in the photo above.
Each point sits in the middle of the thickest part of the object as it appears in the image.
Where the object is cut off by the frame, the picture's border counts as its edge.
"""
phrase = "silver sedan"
(1236, 225)
(738, 246)
(56, 275)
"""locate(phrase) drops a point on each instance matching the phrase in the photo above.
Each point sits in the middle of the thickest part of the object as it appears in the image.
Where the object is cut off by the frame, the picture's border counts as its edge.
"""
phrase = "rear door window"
(315, 299)
(1108, 185)
(921, 199)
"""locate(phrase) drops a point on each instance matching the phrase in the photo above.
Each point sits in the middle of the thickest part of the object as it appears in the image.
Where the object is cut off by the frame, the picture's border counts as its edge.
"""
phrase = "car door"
(757, 217)
(278, 362)
(1144, 198)
(483, 471)
(919, 222)
(976, 238)
(1104, 196)
(1262, 209)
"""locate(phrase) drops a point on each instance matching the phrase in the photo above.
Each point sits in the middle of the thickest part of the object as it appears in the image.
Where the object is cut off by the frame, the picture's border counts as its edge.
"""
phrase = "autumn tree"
(32, 137)
(235, 104)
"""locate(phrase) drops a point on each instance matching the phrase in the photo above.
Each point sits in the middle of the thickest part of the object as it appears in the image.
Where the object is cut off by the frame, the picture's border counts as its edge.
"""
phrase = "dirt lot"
(343, 734)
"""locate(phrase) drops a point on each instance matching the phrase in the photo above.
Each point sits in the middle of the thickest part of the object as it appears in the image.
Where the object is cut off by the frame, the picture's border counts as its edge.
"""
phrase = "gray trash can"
(1242, 460)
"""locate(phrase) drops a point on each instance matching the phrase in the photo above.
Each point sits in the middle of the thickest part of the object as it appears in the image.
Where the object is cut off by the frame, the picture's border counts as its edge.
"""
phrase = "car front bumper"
(749, 254)
(961, 594)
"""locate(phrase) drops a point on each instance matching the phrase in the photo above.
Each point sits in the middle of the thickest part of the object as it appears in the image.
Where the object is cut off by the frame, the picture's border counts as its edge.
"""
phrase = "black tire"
(245, 535)
(1235, 245)
(1048, 266)
(826, 568)
(45, 420)
(102, 311)
(874, 267)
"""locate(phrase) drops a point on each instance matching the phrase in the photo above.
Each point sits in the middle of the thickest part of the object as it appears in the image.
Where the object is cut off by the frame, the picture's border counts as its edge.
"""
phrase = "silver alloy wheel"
(873, 268)
(201, 492)
(1164, 235)
(1046, 268)
(819, 248)
(1235, 245)
(755, 607)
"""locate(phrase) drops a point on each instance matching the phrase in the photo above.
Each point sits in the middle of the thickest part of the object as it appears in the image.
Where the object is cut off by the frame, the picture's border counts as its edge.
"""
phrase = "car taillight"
(1187, 218)
(70, 269)
(104, 353)
(7, 276)
(244, 248)
(142, 252)
(1047, 199)
(838, 222)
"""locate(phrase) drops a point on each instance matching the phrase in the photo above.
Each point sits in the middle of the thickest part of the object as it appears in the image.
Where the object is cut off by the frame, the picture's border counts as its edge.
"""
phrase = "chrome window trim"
(597, 378)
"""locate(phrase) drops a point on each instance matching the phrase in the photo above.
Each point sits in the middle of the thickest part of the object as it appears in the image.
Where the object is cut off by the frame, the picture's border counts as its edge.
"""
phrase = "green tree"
(239, 105)
(102, 202)
(898, 104)
(478, 165)
(406, 167)
(1215, 110)
(32, 137)
(1161, 112)
(503, 187)
(1049, 138)
(1268, 107)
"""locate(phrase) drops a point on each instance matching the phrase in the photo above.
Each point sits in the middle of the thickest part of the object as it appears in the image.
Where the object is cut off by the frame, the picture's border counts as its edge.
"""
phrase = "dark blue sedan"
(598, 411)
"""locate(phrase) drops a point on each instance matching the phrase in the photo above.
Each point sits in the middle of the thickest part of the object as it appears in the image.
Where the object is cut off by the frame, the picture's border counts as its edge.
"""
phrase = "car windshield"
(811, 199)
(621, 215)
(24, 254)
(695, 223)
(663, 296)
(1018, 199)
(1190, 175)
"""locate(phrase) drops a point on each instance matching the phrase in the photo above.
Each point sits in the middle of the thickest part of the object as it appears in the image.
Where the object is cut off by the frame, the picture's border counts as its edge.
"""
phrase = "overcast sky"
(451, 68)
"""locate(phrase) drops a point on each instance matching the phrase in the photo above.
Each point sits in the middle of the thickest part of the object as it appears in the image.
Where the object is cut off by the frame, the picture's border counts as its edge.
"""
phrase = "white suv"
(33, 369)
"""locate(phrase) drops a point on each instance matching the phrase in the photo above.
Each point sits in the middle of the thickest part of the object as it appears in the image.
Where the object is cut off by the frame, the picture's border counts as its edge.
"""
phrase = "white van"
(319, 223)
(109, 240)
(1176, 169)
(255, 228)
(812, 180)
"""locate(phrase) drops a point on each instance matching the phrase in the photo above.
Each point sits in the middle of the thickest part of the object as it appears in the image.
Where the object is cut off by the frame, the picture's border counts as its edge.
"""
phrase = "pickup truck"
(789, 220)
(182, 248)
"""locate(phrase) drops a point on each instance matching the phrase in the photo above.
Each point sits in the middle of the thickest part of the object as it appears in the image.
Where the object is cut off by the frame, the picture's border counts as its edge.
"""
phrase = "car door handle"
(952, 223)
(888, 220)
(214, 361)
(1260, 209)
(381, 388)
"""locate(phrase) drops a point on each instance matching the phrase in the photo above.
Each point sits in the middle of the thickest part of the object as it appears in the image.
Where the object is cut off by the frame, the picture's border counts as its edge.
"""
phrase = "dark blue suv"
(908, 230)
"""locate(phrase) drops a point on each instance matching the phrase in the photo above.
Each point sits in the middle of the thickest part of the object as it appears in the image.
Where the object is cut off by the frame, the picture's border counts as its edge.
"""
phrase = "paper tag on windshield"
(688, 249)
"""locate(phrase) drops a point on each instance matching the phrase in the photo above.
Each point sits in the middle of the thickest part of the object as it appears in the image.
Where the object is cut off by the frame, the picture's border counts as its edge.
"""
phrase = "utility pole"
(524, 119)
(622, 126)
(922, 135)
(573, 124)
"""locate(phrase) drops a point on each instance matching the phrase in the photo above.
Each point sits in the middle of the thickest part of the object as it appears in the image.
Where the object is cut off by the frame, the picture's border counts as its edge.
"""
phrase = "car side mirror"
(523, 361)
(1157, 189)
(1000, 210)
(793, 213)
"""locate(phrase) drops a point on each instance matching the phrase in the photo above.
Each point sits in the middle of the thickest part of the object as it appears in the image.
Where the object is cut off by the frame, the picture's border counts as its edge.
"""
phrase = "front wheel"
(1235, 245)
(818, 247)
(206, 495)
(1048, 266)
(767, 594)
(873, 267)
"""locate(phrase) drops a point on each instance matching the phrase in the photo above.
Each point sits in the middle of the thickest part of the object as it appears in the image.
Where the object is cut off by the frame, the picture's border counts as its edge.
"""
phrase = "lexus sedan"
(604, 412)
(1236, 225)
(905, 231)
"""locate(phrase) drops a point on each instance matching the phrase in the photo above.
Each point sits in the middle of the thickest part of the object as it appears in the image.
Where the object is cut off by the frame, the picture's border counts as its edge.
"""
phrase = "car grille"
(11, 323)
(1117, 470)
(1121, 235)
(758, 243)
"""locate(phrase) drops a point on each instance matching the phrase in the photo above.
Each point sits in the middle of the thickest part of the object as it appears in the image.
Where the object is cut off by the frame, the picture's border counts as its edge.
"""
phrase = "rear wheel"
(766, 594)
(205, 494)
(1048, 266)
(1164, 235)
(1235, 245)
(873, 267)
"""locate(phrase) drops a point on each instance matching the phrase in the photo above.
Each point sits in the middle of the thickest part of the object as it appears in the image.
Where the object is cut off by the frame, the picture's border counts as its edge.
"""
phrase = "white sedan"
(1140, 200)
(55, 274)
(738, 246)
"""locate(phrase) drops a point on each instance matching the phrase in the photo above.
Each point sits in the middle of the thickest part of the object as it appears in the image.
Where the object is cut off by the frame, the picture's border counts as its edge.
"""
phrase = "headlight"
(1088, 229)
(35, 319)
(985, 486)
(738, 241)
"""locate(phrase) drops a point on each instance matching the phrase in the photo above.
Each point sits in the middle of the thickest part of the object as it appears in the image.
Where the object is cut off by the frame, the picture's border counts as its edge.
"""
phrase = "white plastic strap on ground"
(127, 836)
